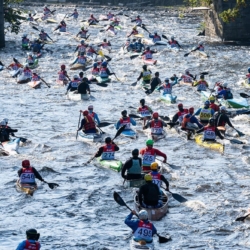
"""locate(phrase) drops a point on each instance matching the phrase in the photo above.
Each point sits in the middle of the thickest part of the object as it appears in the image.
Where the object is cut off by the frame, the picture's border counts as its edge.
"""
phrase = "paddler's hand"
(164, 161)
(133, 212)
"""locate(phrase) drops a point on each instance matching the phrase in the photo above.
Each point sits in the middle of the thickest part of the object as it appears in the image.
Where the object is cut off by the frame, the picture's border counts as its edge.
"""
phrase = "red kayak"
(149, 61)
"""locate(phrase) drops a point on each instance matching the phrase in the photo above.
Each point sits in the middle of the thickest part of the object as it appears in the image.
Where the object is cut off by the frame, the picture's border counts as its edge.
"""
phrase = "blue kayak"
(168, 98)
(129, 133)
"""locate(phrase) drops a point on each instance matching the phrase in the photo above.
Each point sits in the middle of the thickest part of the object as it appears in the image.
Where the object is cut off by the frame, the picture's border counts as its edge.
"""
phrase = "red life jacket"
(31, 246)
(90, 123)
(126, 122)
(248, 76)
(95, 71)
(185, 121)
(214, 106)
(92, 114)
(181, 114)
(144, 111)
(105, 45)
(156, 178)
(135, 32)
(172, 42)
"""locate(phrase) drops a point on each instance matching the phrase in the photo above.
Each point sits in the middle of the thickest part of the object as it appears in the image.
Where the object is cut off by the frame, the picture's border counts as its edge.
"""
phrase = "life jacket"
(148, 157)
(105, 45)
(215, 107)
(30, 60)
(167, 88)
(115, 23)
(156, 38)
(103, 72)
(156, 127)
(248, 77)
(81, 48)
(228, 94)
(27, 175)
(83, 33)
(148, 55)
(109, 16)
(81, 59)
(201, 48)
(3, 135)
(146, 75)
(92, 114)
(35, 78)
(202, 85)
(27, 73)
(138, 21)
(74, 83)
(46, 11)
(181, 114)
(126, 122)
(187, 78)
(75, 14)
(108, 152)
(205, 114)
(31, 245)
(43, 36)
(61, 75)
(95, 71)
(156, 178)
(30, 19)
(15, 66)
(62, 27)
(111, 28)
(90, 123)
(209, 133)
(186, 119)
(144, 111)
(144, 231)
(25, 41)
(135, 32)
(173, 43)
(136, 168)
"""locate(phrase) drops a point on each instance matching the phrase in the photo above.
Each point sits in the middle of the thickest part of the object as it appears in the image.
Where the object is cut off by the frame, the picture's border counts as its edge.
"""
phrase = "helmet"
(95, 65)
(90, 107)
(223, 108)
(143, 215)
(172, 37)
(144, 67)
(85, 112)
(42, 30)
(91, 15)
(206, 103)
(148, 177)
(81, 74)
(104, 64)
(147, 48)
(62, 22)
(25, 35)
(75, 9)
(157, 73)
(138, 16)
(135, 152)
(26, 65)
(124, 113)
(154, 166)
(82, 53)
(82, 28)
(139, 40)
(201, 76)
(186, 71)
(200, 43)
(149, 142)
(105, 40)
(224, 84)
(211, 98)
(29, 54)
(84, 79)
(26, 163)
(166, 79)
(82, 42)
(2, 123)
(191, 110)
(32, 234)
(211, 121)
(155, 115)
(248, 70)
(75, 76)
(142, 101)
(180, 105)
(63, 66)
(134, 40)
(108, 140)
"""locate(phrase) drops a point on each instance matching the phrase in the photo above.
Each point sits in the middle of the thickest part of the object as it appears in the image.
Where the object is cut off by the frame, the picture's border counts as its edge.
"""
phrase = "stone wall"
(238, 30)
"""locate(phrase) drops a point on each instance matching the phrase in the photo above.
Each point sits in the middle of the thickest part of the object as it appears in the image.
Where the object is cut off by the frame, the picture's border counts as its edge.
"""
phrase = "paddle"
(78, 124)
(242, 218)
(104, 124)
(115, 75)
(134, 56)
(21, 138)
(177, 197)
(244, 95)
(134, 83)
(51, 185)
(164, 118)
(170, 165)
(45, 82)
(234, 141)
(143, 27)
(119, 131)
(164, 37)
(100, 129)
(185, 55)
(239, 133)
(121, 202)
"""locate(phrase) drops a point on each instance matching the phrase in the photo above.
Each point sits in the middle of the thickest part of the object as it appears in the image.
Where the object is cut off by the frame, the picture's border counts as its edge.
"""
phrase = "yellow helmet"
(148, 177)
(154, 166)
(134, 28)
(211, 98)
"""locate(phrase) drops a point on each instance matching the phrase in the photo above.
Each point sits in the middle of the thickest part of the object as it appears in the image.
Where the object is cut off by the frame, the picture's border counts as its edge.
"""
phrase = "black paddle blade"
(119, 199)
(165, 118)
(134, 116)
(164, 37)
(119, 131)
(163, 239)
(104, 124)
(239, 133)
(179, 198)
(242, 218)
(134, 56)
(204, 73)
(102, 84)
(108, 57)
(235, 141)
(134, 83)
(35, 28)
(23, 139)
(171, 124)
(53, 185)
(244, 95)
(186, 54)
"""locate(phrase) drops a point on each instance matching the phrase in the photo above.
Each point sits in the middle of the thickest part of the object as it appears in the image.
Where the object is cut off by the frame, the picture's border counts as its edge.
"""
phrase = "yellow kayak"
(246, 84)
(207, 144)
(139, 35)
(26, 188)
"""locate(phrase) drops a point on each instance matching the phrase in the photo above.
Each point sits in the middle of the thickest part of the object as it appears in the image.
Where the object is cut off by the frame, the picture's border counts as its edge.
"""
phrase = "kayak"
(133, 53)
(78, 66)
(23, 79)
(168, 98)
(139, 35)
(149, 61)
(35, 84)
(161, 43)
(208, 144)
(245, 83)
(11, 147)
(90, 137)
(134, 245)
(13, 72)
(135, 183)
(174, 49)
(77, 97)
(26, 188)
(64, 82)
(102, 80)
(186, 83)
(103, 18)
(234, 103)
(144, 85)
(129, 133)
(34, 65)
(118, 27)
(202, 53)
(50, 20)
(115, 165)
(154, 214)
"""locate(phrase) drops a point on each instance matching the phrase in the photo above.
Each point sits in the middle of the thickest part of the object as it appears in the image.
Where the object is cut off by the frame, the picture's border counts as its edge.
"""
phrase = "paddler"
(133, 167)
(82, 33)
(25, 41)
(36, 47)
(248, 75)
(30, 60)
(35, 77)
(187, 77)
(125, 120)
(110, 15)
(138, 21)
(87, 124)
(81, 59)
(6, 131)
(83, 87)
(149, 194)
(205, 113)
(107, 152)
(105, 44)
(200, 47)
(225, 93)
(92, 20)
(104, 71)
(73, 85)
(167, 86)
(61, 27)
(221, 118)
(202, 85)
(111, 28)
(90, 51)
(210, 131)
(127, 44)
(93, 114)
(213, 106)
(156, 125)
(27, 174)
(75, 15)
(15, 65)
(143, 229)
(46, 13)
(132, 45)
(173, 43)
(30, 18)
(155, 37)
(115, 22)
(149, 155)
(179, 115)
(95, 71)
(139, 46)
(62, 75)
(145, 111)
(133, 32)
(31, 242)
(43, 36)
(81, 47)
(81, 76)
(148, 53)
(145, 75)
(154, 83)
(26, 72)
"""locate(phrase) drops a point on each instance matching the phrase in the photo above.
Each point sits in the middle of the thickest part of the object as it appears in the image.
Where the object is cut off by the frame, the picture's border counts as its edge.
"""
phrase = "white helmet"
(2, 123)
(143, 215)
(223, 108)
(90, 107)
(172, 37)
(200, 43)
(166, 79)
(75, 76)
(224, 84)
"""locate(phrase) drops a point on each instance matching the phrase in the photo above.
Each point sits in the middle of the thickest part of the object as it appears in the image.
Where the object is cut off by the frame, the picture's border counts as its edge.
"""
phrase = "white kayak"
(35, 84)
(129, 133)
(77, 97)
(174, 49)
(94, 137)
(23, 79)
(11, 147)
(134, 245)
(13, 72)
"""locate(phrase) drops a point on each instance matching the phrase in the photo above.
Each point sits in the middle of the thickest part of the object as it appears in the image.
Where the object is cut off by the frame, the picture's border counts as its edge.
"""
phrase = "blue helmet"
(206, 103)
(104, 64)
(95, 65)
(248, 70)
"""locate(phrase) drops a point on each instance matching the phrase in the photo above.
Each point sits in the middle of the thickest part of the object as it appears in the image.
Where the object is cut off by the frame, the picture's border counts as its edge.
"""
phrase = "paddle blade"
(23, 139)
(53, 185)
(235, 141)
(134, 83)
(102, 84)
(119, 131)
(242, 218)
(134, 116)
(239, 133)
(108, 57)
(134, 56)
(179, 198)
(104, 124)
(186, 54)
(163, 239)
(100, 53)
(165, 118)
(244, 95)
(35, 28)
(119, 199)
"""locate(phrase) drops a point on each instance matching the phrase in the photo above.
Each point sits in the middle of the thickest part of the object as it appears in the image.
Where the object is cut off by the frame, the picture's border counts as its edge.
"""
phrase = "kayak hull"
(77, 97)
(90, 137)
(102, 80)
(78, 66)
(11, 147)
(168, 98)
(23, 79)
(35, 84)
(211, 145)
(149, 61)
(50, 20)
(245, 83)
(129, 133)
(134, 245)
(26, 188)
(135, 183)
(115, 165)
(235, 103)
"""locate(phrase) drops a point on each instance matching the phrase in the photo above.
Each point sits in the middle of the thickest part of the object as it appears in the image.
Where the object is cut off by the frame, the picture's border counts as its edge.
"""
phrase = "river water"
(81, 213)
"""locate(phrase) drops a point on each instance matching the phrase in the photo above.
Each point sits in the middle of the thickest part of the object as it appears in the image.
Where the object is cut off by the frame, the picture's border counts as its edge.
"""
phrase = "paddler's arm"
(97, 119)
(227, 120)
(132, 121)
(133, 224)
(194, 120)
(159, 153)
(165, 181)
(147, 125)
(164, 123)
(118, 124)
(116, 147)
(195, 49)
(219, 134)
(37, 175)
(178, 44)
(82, 124)
(198, 111)
(127, 165)
(75, 61)
(175, 118)
(19, 172)
(99, 152)
(76, 49)
(109, 73)
(151, 36)
(130, 34)
(140, 76)
(58, 27)
(49, 37)
(87, 88)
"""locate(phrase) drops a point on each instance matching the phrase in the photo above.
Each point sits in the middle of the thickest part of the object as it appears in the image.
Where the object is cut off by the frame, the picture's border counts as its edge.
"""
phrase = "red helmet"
(26, 163)
(180, 105)
(191, 110)
(155, 115)
(85, 112)
(63, 66)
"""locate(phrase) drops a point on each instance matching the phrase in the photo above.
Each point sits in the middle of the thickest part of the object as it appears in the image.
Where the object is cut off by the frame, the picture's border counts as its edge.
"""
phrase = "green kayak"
(32, 66)
(235, 103)
(25, 46)
(102, 80)
(115, 165)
